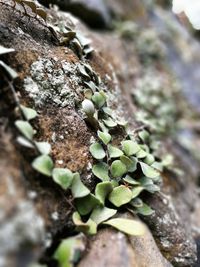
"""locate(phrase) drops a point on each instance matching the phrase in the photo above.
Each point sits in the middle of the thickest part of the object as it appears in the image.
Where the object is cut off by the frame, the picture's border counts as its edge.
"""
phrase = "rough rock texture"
(49, 80)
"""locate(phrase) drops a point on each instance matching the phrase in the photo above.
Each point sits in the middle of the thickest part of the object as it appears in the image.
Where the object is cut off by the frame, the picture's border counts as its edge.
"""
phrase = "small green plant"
(125, 170)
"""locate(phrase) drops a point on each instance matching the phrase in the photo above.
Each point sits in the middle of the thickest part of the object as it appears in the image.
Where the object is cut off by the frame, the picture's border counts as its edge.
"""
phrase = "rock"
(173, 240)
(92, 12)
(49, 80)
(127, 252)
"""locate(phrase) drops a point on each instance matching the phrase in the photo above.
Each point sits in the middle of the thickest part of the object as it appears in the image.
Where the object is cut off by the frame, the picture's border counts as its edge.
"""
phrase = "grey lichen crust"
(51, 80)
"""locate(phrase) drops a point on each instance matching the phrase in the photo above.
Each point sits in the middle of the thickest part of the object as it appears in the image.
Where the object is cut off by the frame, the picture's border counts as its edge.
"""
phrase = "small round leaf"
(120, 195)
(63, 177)
(118, 168)
(43, 164)
(97, 151)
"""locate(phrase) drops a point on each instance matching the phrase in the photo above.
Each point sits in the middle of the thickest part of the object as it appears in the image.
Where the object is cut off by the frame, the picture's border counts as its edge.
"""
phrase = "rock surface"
(49, 80)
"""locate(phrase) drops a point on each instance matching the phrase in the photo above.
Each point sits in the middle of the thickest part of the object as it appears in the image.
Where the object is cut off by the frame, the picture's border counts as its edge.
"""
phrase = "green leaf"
(120, 196)
(88, 107)
(131, 163)
(88, 93)
(89, 227)
(8, 70)
(149, 171)
(100, 170)
(152, 188)
(63, 177)
(104, 137)
(4, 50)
(136, 191)
(86, 204)
(25, 128)
(136, 202)
(43, 147)
(157, 165)
(102, 190)
(127, 226)
(79, 190)
(144, 181)
(130, 180)
(114, 152)
(97, 151)
(144, 136)
(24, 142)
(110, 123)
(149, 159)
(99, 99)
(29, 113)
(141, 154)
(118, 168)
(69, 250)
(108, 111)
(101, 214)
(130, 147)
(43, 164)
(145, 210)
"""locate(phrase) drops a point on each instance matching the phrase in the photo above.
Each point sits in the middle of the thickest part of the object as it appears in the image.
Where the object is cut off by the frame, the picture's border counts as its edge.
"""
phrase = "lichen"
(52, 81)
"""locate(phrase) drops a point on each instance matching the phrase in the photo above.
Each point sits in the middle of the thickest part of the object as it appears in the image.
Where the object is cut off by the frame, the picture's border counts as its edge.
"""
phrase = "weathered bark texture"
(37, 208)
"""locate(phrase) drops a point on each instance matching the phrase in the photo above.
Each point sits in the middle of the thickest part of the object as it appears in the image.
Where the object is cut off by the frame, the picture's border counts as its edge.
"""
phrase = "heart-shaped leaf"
(136, 202)
(120, 196)
(29, 113)
(127, 226)
(130, 147)
(141, 154)
(149, 159)
(136, 191)
(4, 50)
(100, 170)
(145, 210)
(102, 190)
(88, 93)
(118, 168)
(25, 128)
(114, 152)
(152, 188)
(97, 151)
(86, 204)
(43, 147)
(89, 227)
(110, 123)
(63, 177)
(130, 180)
(8, 70)
(131, 163)
(104, 137)
(88, 107)
(144, 136)
(79, 190)
(99, 99)
(145, 181)
(157, 165)
(43, 164)
(24, 142)
(67, 251)
(101, 214)
(149, 171)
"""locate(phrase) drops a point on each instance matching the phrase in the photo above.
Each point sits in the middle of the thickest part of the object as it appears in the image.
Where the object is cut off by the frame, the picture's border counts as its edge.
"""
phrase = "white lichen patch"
(52, 81)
